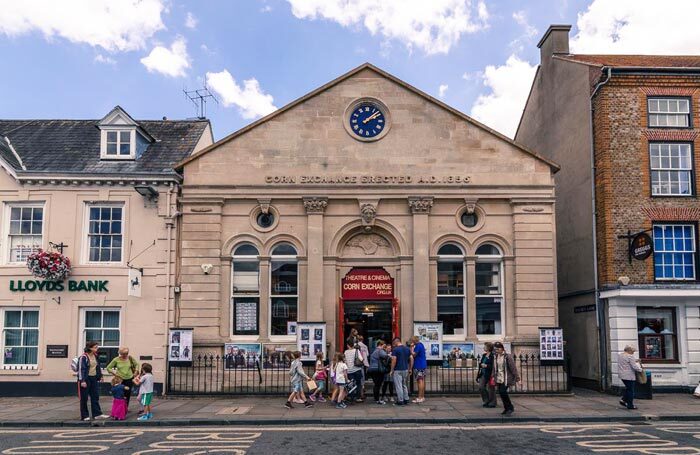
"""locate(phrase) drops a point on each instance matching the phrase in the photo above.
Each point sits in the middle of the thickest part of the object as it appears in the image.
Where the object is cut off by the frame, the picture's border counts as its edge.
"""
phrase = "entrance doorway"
(372, 319)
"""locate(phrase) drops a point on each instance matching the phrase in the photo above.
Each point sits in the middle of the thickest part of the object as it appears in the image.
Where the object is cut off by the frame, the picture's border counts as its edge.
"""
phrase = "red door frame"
(395, 322)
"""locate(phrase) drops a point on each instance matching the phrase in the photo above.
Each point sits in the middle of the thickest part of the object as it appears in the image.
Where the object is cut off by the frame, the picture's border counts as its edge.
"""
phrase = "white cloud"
(266, 9)
(191, 21)
(433, 26)
(529, 32)
(442, 90)
(638, 27)
(114, 26)
(509, 86)
(171, 62)
(99, 58)
(250, 99)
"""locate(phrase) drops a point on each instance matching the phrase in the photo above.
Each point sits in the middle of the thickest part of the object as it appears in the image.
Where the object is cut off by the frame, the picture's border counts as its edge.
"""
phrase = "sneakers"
(312, 397)
(86, 419)
(321, 399)
(623, 403)
(380, 402)
(399, 403)
(102, 417)
(418, 400)
(341, 405)
(308, 404)
(507, 412)
(145, 417)
(288, 405)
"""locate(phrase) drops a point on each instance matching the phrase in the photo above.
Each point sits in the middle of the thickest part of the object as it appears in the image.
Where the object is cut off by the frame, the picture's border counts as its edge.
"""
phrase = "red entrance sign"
(367, 284)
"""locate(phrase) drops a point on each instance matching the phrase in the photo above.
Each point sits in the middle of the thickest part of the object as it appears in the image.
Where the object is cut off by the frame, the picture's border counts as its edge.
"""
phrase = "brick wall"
(623, 185)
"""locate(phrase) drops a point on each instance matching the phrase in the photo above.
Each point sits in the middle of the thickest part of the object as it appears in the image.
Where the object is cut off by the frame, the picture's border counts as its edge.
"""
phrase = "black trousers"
(505, 399)
(127, 393)
(93, 391)
(377, 380)
(388, 385)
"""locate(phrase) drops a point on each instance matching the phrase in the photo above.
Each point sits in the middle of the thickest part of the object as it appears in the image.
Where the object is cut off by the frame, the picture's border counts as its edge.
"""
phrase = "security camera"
(624, 280)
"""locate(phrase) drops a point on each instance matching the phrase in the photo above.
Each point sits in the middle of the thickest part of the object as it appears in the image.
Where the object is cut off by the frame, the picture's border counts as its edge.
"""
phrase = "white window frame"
(6, 227)
(670, 169)
(84, 329)
(654, 112)
(453, 258)
(28, 366)
(694, 230)
(86, 231)
(234, 295)
(132, 143)
(295, 258)
(493, 259)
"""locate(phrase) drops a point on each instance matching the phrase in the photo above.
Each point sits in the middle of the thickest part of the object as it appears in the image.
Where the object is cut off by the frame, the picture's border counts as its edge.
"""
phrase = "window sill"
(662, 363)
(5, 371)
(245, 337)
(283, 339)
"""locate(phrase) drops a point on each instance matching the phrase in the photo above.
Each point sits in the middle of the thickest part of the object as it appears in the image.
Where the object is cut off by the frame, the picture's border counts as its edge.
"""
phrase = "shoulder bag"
(641, 375)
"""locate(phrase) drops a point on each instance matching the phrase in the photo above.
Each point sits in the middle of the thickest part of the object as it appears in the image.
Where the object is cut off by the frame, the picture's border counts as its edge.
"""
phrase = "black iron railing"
(212, 375)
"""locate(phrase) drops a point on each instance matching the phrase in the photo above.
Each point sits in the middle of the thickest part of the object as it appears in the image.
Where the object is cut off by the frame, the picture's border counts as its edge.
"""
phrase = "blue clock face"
(367, 120)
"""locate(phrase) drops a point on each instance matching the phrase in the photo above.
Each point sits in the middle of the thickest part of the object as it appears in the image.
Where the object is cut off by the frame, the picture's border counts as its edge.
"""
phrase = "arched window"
(450, 289)
(489, 290)
(284, 289)
(245, 290)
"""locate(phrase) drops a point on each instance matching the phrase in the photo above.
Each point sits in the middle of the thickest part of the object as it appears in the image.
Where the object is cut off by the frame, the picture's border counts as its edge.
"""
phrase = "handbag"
(492, 382)
(358, 361)
(641, 375)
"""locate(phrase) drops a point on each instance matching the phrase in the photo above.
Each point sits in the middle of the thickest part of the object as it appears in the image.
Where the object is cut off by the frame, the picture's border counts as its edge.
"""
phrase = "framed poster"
(180, 346)
(311, 338)
(245, 316)
(455, 355)
(278, 355)
(430, 335)
(292, 328)
(245, 356)
(551, 345)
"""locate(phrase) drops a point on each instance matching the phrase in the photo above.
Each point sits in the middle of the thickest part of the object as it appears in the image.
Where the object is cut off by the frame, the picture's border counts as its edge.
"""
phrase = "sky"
(79, 58)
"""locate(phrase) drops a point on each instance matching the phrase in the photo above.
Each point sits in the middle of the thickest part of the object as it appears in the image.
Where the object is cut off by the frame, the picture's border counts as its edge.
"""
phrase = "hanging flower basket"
(50, 266)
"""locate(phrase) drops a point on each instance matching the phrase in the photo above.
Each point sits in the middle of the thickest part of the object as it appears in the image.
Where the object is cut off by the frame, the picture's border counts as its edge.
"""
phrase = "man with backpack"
(355, 362)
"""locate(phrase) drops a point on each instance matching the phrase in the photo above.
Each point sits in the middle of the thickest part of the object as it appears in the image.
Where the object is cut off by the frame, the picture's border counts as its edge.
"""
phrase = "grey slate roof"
(73, 146)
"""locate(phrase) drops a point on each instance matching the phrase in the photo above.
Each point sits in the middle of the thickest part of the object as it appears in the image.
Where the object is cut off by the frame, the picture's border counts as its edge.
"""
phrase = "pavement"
(582, 406)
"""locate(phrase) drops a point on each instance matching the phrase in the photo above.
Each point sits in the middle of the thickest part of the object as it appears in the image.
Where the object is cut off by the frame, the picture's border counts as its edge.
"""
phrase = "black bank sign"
(59, 286)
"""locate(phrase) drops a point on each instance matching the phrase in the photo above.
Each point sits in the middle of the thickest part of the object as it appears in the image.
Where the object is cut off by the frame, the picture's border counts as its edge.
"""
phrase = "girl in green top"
(126, 368)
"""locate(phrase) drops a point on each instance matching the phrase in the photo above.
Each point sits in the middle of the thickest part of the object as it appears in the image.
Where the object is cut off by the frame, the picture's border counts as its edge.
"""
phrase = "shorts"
(297, 386)
(420, 374)
(341, 385)
(321, 384)
(146, 398)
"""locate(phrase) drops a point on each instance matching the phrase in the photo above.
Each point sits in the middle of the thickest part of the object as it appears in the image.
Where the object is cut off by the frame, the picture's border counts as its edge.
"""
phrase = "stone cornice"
(421, 204)
(315, 204)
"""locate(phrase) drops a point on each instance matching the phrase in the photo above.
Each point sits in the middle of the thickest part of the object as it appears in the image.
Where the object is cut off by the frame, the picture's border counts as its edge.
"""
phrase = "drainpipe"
(169, 222)
(600, 315)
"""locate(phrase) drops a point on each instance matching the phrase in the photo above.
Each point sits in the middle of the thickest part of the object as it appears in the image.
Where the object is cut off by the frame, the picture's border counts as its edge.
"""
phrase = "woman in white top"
(627, 365)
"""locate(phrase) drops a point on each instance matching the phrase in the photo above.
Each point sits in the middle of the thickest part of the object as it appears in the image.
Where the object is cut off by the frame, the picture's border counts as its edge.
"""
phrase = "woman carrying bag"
(627, 369)
(377, 370)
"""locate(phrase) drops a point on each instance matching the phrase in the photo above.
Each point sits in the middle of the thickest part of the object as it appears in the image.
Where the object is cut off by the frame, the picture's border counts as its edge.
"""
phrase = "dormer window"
(118, 144)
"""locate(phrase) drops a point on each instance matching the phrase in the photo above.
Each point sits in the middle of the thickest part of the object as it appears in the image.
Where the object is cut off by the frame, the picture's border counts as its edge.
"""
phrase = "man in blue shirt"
(420, 367)
(401, 365)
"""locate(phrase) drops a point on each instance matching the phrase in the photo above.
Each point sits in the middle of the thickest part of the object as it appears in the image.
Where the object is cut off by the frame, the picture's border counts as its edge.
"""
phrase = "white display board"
(311, 338)
(551, 344)
(430, 335)
(180, 346)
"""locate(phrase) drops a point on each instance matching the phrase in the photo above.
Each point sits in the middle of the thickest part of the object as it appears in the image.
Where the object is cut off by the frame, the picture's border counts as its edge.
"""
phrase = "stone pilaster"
(315, 206)
(420, 207)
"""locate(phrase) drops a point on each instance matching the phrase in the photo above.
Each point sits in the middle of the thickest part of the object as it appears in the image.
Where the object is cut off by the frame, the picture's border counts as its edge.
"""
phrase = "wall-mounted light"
(206, 268)
(147, 191)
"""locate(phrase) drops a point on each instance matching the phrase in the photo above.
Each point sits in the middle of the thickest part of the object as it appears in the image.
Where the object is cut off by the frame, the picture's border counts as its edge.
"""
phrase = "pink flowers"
(49, 265)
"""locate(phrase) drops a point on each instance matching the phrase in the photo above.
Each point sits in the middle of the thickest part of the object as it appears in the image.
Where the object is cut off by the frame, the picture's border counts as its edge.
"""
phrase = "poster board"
(180, 346)
(245, 317)
(430, 335)
(311, 338)
(457, 354)
(243, 356)
(551, 345)
(278, 355)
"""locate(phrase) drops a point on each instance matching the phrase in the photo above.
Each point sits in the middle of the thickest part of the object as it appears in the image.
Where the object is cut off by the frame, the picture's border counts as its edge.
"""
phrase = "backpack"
(75, 364)
(358, 361)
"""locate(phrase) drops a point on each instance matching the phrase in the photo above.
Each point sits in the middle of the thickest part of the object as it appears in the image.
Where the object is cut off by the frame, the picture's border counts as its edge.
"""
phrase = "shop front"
(366, 204)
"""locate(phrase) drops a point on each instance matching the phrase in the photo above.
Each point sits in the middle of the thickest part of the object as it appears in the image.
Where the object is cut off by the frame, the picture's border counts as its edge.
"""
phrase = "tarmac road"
(665, 438)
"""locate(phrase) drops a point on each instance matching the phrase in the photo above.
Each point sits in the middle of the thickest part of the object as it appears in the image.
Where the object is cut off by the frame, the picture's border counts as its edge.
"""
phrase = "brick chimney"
(555, 41)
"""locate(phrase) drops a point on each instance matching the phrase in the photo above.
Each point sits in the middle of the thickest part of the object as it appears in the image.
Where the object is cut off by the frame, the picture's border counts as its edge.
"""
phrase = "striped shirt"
(350, 360)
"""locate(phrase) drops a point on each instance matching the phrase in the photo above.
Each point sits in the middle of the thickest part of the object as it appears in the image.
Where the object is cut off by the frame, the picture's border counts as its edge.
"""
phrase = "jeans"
(628, 396)
(401, 385)
(127, 392)
(503, 392)
(92, 390)
(377, 379)
(388, 385)
(357, 376)
(488, 392)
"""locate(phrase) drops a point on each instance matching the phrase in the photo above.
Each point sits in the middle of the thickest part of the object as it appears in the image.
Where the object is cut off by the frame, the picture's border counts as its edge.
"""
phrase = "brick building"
(624, 129)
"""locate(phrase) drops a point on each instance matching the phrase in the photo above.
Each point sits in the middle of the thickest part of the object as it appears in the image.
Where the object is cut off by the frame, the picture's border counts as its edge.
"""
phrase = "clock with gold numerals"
(367, 120)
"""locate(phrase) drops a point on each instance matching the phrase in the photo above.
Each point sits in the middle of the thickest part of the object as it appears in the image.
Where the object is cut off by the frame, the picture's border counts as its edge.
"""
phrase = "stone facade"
(344, 203)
